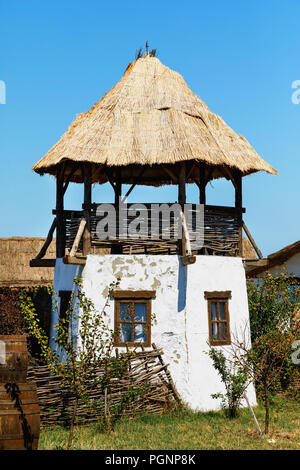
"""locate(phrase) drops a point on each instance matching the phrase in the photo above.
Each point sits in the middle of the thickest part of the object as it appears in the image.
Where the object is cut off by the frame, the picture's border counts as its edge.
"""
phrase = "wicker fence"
(147, 371)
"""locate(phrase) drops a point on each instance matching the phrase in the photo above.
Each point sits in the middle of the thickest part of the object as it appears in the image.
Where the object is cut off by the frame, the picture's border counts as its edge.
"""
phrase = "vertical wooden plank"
(117, 248)
(87, 201)
(202, 183)
(181, 197)
(60, 226)
(181, 185)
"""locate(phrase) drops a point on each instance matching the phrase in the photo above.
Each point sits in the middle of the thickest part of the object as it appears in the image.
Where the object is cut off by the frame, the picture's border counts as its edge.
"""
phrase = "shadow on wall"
(182, 286)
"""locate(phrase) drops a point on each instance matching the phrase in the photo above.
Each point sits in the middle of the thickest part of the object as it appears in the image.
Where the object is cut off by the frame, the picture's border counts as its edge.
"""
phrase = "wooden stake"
(253, 415)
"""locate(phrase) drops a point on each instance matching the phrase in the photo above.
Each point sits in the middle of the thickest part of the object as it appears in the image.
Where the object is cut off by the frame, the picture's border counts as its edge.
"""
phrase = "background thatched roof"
(15, 255)
(150, 117)
(248, 251)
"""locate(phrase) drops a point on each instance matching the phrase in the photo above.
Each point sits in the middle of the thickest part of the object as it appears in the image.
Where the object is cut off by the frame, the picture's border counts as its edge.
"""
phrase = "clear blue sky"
(241, 57)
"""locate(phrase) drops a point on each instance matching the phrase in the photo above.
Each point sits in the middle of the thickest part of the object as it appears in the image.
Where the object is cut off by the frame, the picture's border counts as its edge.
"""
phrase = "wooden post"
(117, 248)
(181, 197)
(253, 416)
(202, 186)
(239, 207)
(60, 223)
(181, 185)
(87, 205)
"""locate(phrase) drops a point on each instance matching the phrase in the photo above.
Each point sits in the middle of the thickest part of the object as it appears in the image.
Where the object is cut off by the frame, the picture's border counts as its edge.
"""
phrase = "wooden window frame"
(134, 297)
(217, 297)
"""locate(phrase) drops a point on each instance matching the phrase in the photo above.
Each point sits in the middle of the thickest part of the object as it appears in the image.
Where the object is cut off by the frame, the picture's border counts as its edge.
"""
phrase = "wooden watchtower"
(149, 129)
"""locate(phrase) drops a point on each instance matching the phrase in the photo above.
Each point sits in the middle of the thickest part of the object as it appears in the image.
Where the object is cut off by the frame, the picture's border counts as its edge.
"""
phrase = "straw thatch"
(248, 251)
(15, 255)
(150, 118)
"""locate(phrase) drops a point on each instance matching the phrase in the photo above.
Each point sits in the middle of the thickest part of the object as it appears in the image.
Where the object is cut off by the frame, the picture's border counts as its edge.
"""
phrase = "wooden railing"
(220, 233)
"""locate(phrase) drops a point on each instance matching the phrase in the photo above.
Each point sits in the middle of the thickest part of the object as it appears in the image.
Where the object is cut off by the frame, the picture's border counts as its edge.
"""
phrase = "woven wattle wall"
(147, 369)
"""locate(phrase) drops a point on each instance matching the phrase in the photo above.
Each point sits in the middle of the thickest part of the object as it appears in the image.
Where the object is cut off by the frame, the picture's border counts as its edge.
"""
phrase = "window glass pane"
(213, 309)
(125, 332)
(126, 310)
(140, 312)
(223, 331)
(214, 328)
(139, 333)
(221, 310)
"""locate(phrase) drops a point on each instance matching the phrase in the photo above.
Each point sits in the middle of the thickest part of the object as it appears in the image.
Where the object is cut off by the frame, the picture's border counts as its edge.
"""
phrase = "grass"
(187, 430)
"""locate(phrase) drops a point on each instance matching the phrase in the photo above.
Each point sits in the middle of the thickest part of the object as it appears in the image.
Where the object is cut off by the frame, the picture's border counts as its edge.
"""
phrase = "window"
(133, 317)
(65, 297)
(218, 317)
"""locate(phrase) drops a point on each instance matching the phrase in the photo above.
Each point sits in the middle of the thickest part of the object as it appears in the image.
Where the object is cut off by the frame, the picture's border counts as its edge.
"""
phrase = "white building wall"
(180, 309)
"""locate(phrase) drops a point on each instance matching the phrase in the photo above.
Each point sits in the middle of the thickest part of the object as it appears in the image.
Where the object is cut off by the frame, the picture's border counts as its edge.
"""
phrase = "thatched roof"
(151, 117)
(15, 255)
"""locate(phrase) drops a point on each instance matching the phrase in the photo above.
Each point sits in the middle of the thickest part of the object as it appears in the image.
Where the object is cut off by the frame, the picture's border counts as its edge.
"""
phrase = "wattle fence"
(147, 371)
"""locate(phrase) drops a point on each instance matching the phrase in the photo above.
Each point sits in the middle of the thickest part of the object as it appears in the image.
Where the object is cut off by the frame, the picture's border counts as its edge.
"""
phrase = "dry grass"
(187, 430)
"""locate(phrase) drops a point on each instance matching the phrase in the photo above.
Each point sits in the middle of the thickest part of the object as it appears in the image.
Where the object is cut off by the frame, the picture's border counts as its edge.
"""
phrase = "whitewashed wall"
(180, 309)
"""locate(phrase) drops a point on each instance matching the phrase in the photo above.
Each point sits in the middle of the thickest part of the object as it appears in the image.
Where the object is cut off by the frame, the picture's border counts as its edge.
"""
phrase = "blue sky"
(58, 58)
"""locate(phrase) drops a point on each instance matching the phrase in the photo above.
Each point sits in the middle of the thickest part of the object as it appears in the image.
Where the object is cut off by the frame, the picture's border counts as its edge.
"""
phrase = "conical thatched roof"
(151, 117)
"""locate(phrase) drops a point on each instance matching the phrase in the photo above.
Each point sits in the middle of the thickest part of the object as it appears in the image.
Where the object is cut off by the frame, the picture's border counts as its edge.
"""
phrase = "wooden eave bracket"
(189, 259)
(80, 260)
(42, 263)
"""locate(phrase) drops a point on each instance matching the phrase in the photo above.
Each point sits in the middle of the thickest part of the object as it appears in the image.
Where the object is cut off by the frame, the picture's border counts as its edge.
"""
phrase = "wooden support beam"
(190, 171)
(107, 171)
(80, 260)
(202, 184)
(188, 260)
(48, 240)
(42, 263)
(187, 257)
(69, 176)
(60, 225)
(117, 248)
(181, 185)
(170, 173)
(87, 202)
(78, 237)
(257, 263)
(186, 242)
(228, 174)
(96, 172)
(134, 184)
(181, 198)
(239, 206)
(257, 250)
